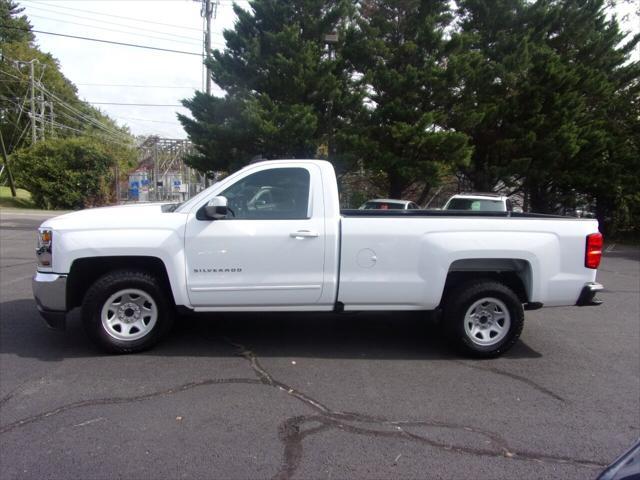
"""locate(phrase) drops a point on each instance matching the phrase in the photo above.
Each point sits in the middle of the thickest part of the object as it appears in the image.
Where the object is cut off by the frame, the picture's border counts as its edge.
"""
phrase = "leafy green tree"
(65, 173)
(286, 94)
(72, 116)
(401, 50)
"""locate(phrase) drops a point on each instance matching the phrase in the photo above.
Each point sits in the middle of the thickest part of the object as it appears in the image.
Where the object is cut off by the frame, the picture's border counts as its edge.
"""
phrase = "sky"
(119, 74)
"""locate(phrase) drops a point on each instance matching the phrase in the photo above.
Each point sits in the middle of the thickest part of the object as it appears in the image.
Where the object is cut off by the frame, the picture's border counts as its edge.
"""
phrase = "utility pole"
(207, 40)
(209, 10)
(52, 118)
(117, 175)
(32, 113)
(43, 121)
(156, 196)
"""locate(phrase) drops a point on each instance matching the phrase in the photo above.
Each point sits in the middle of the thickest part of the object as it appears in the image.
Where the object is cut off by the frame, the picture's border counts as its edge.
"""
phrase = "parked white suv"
(481, 202)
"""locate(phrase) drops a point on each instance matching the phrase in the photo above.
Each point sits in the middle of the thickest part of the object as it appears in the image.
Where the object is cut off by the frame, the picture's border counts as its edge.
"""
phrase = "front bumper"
(588, 295)
(50, 293)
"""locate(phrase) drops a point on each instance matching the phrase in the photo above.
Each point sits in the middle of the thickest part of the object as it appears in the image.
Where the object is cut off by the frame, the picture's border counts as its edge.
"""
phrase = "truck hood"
(145, 215)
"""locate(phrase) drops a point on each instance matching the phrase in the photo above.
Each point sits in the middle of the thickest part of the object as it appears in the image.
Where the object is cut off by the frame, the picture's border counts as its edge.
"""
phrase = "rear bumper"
(588, 295)
(50, 294)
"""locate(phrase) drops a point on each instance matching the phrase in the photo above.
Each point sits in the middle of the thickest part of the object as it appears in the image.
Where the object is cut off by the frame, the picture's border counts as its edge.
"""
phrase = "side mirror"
(216, 209)
(517, 210)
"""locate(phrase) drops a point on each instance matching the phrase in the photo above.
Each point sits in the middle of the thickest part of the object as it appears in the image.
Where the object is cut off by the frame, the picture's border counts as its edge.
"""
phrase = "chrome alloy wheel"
(129, 314)
(487, 321)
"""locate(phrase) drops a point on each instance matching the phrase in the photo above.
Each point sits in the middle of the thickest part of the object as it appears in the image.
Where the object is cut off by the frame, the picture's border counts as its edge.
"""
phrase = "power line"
(87, 118)
(82, 121)
(14, 76)
(115, 16)
(100, 20)
(115, 30)
(24, 102)
(24, 130)
(104, 41)
(147, 120)
(189, 87)
(102, 132)
(128, 85)
(66, 127)
(79, 117)
(138, 104)
(83, 118)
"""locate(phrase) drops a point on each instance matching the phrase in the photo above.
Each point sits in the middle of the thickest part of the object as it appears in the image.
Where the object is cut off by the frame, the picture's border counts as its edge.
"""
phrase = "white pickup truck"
(271, 237)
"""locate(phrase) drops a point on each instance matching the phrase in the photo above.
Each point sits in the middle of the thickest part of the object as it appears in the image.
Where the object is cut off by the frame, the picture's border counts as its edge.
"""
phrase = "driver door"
(269, 250)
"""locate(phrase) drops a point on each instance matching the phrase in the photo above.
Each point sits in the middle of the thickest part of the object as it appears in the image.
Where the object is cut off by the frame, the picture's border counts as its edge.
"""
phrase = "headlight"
(43, 252)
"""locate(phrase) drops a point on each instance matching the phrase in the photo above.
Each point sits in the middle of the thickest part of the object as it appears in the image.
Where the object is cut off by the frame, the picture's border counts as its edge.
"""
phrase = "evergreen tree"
(548, 95)
(488, 73)
(606, 166)
(286, 94)
(14, 27)
(401, 51)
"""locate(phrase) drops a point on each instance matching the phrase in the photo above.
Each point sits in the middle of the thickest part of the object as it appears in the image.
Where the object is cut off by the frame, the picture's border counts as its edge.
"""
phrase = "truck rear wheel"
(483, 318)
(126, 311)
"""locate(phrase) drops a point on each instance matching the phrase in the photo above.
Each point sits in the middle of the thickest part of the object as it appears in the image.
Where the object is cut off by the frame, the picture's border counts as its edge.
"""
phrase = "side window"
(413, 206)
(276, 194)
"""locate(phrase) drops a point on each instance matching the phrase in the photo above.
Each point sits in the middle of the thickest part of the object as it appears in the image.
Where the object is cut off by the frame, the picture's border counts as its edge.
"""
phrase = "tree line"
(77, 151)
(539, 98)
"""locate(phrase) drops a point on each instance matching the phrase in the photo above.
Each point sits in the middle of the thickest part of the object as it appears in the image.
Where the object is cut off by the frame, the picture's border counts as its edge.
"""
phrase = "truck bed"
(444, 213)
(403, 263)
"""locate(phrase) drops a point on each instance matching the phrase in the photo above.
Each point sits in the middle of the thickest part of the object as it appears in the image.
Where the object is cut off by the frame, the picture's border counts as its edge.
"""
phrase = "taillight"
(593, 254)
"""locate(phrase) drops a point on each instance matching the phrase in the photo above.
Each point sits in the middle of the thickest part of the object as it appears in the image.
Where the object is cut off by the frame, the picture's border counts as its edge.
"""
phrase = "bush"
(65, 173)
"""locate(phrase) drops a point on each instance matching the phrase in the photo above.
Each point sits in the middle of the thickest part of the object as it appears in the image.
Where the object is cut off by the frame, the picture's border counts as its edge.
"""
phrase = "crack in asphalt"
(119, 400)
(514, 376)
(292, 435)
(6, 398)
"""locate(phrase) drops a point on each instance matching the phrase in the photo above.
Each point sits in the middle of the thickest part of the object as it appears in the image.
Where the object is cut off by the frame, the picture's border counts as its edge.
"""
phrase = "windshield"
(475, 204)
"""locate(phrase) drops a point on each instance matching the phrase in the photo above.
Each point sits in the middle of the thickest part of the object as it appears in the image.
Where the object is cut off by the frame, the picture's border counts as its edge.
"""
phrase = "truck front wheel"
(483, 318)
(126, 311)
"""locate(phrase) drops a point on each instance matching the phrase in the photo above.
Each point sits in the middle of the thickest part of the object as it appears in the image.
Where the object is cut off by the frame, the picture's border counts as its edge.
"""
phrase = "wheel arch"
(515, 273)
(85, 271)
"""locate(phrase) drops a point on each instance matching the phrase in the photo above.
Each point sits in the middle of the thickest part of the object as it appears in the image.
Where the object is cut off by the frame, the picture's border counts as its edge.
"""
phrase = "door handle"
(304, 234)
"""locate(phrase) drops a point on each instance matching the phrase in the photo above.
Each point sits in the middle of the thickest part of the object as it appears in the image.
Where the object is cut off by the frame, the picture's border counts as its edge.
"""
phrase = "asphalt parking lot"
(317, 395)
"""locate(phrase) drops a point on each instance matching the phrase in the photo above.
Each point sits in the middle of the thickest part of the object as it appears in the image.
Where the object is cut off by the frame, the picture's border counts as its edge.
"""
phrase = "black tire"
(108, 285)
(458, 302)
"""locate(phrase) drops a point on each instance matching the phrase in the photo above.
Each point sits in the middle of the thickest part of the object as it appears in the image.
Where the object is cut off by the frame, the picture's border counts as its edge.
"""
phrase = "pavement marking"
(610, 248)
